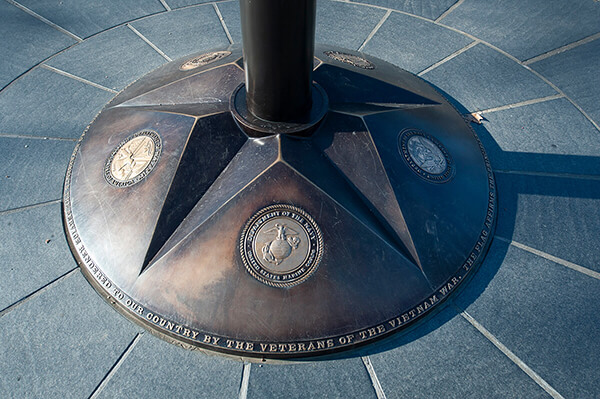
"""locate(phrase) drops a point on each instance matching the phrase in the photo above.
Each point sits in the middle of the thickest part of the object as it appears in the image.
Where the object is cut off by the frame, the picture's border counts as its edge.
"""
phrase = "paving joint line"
(561, 49)
(148, 42)
(393, 10)
(529, 61)
(566, 97)
(449, 57)
(373, 376)
(548, 174)
(375, 29)
(208, 3)
(2, 89)
(449, 10)
(368, 5)
(116, 366)
(216, 8)
(539, 75)
(555, 259)
(77, 78)
(44, 20)
(165, 5)
(37, 292)
(22, 136)
(508, 353)
(245, 381)
(28, 207)
(522, 103)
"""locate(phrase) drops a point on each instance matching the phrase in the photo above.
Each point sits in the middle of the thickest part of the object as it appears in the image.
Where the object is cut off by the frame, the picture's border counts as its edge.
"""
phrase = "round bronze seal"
(350, 59)
(426, 156)
(203, 59)
(133, 159)
(281, 245)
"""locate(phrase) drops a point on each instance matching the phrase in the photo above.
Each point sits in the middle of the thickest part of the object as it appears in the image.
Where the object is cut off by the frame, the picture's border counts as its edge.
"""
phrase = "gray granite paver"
(553, 214)
(550, 137)
(155, 368)
(526, 29)
(431, 9)
(230, 11)
(33, 252)
(344, 25)
(544, 313)
(481, 78)
(423, 43)
(61, 343)
(32, 170)
(448, 358)
(113, 58)
(184, 3)
(181, 32)
(346, 378)
(46, 104)
(25, 42)
(575, 72)
(85, 18)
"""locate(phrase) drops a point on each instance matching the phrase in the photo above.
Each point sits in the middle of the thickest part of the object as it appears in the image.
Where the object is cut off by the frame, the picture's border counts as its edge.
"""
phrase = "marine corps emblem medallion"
(281, 245)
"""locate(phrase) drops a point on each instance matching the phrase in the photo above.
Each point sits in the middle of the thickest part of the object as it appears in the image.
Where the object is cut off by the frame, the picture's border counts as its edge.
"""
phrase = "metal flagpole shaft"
(278, 38)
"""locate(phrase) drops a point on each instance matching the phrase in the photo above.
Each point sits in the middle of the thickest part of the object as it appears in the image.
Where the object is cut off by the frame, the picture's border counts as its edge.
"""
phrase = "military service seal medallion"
(204, 59)
(426, 156)
(281, 245)
(350, 59)
(133, 159)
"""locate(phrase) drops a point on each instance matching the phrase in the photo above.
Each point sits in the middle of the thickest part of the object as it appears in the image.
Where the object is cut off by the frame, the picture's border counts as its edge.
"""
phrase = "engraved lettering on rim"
(350, 59)
(133, 159)
(172, 328)
(426, 156)
(281, 245)
(203, 59)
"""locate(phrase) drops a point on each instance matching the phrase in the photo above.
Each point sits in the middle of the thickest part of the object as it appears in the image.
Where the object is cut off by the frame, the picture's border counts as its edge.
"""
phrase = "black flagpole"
(278, 38)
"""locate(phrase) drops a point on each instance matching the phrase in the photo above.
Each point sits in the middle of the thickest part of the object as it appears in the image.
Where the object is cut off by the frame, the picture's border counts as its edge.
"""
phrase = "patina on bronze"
(359, 217)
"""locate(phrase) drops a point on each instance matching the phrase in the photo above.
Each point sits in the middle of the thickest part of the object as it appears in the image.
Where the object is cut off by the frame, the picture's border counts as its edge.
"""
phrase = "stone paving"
(526, 326)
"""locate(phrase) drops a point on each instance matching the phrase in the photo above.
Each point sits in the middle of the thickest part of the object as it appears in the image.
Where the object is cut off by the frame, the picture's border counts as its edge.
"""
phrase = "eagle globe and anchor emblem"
(281, 245)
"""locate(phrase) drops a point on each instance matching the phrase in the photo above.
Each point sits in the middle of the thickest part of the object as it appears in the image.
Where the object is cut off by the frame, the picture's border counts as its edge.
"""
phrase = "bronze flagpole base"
(214, 229)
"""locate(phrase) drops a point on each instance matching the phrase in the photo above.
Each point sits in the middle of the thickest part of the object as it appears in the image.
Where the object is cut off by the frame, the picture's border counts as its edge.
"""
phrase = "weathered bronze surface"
(286, 245)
